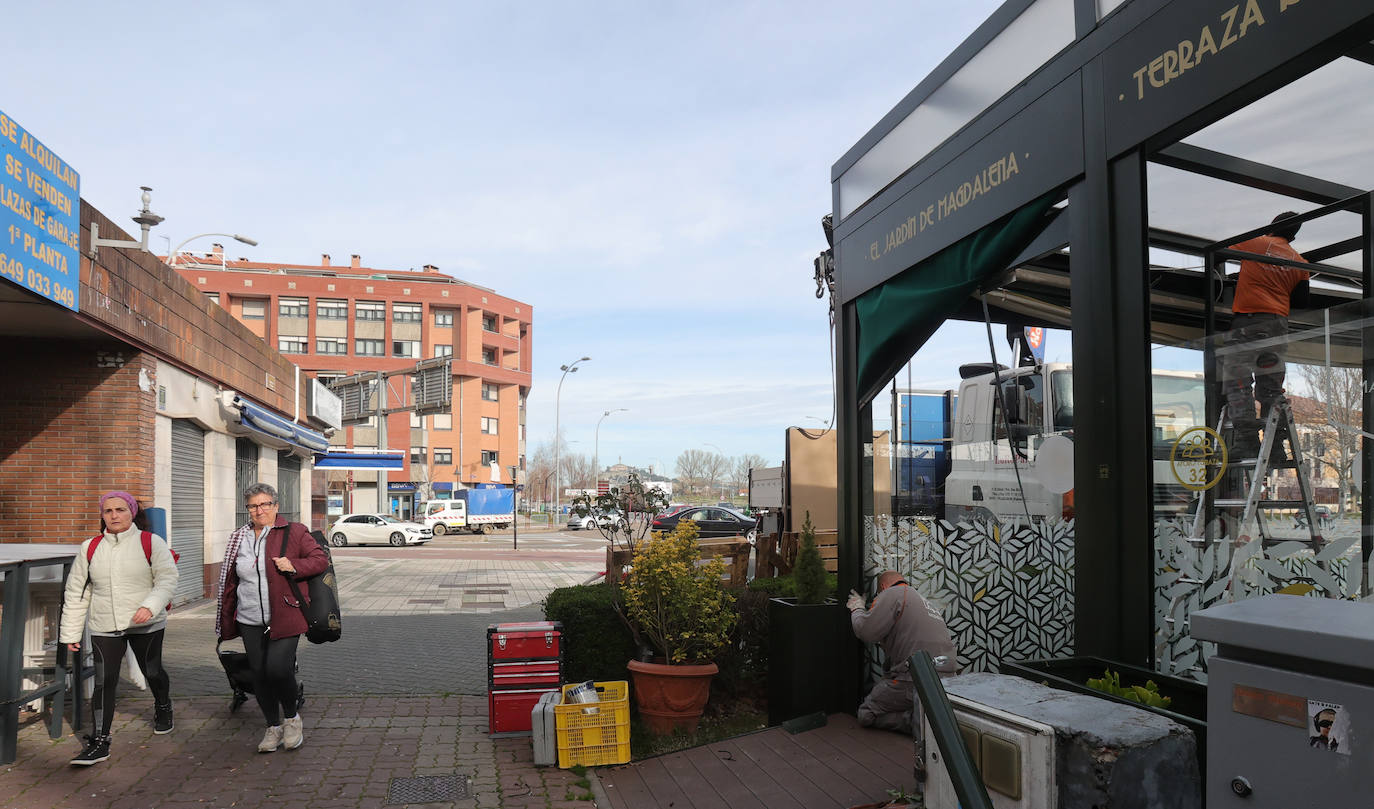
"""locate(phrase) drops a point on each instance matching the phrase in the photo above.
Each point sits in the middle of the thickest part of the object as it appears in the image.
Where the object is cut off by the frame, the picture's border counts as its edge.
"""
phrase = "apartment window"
(214, 297)
(328, 378)
(332, 346)
(489, 426)
(441, 350)
(405, 348)
(488, 322)
(417, 455)
(331, 309)
(254, 310)
(489, 456)
(489, 356)
(443, 320)
(293, 307)
(443, 421)
(370, 310)
(292, 345)
(522, 401)
(416, 420)
(490, 392)
(405, 313)
(369, 348)
(443, 456)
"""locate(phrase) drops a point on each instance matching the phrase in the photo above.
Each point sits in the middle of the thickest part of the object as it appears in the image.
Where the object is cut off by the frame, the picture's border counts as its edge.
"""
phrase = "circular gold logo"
(1198, 458)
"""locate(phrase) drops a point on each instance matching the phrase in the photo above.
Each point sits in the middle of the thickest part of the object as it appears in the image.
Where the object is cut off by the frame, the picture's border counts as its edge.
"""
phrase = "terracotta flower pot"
(671, 697)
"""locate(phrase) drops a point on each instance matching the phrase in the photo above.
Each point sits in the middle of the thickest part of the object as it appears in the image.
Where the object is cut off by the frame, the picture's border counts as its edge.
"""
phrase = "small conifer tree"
(809, 573)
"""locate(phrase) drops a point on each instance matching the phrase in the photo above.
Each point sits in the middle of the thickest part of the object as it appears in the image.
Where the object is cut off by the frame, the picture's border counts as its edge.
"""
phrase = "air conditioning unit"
(1014, 754)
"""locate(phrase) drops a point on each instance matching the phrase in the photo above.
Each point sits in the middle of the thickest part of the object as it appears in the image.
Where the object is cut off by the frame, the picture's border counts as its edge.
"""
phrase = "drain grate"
(428, 789)
(427, 601)
(453, 585)
(494, 592)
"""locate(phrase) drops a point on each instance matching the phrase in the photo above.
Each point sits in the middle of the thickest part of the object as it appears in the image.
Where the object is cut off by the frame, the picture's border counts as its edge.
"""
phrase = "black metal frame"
(1107, 224)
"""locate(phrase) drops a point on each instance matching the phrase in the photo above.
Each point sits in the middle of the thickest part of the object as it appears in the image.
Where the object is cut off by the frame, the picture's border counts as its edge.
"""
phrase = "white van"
(443, 516)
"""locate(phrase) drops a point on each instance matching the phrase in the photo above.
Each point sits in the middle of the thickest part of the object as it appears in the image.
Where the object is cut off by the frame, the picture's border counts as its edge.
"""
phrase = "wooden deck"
(833, 767)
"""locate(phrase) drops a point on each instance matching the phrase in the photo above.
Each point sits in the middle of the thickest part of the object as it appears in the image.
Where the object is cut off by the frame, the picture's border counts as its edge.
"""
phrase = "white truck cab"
(443, 516)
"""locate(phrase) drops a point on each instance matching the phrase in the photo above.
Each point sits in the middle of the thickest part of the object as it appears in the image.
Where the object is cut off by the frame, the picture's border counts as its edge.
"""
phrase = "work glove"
(855, 602)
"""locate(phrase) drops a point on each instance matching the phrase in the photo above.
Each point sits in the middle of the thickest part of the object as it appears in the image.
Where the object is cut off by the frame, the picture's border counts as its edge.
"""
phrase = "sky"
(649, 177)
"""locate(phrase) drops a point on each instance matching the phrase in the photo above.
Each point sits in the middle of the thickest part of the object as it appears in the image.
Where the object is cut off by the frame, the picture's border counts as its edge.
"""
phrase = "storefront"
(1088, 170)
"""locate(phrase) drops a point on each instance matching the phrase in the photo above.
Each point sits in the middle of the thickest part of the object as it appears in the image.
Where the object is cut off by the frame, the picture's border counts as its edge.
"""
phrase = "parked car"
(365, 529)
(577, 522)
(712, 521)
(671, 510)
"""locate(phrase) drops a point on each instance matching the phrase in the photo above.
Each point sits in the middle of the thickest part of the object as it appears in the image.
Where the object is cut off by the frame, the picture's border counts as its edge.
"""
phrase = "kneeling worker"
(903, 623)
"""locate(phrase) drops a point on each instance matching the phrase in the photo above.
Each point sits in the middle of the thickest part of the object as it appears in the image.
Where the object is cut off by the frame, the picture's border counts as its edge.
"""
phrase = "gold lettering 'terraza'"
(1188, 54)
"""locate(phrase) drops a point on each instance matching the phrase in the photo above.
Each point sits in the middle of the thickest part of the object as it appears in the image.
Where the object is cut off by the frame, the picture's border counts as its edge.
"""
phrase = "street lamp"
(596, 466)
(172, 256)
(515, 506)
(557, 438)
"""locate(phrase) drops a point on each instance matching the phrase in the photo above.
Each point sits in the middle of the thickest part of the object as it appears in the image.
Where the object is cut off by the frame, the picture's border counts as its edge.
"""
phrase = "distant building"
(334, 321)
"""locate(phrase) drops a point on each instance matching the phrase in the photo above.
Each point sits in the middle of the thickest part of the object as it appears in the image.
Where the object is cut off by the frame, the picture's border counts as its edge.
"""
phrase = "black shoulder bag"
(322, 618)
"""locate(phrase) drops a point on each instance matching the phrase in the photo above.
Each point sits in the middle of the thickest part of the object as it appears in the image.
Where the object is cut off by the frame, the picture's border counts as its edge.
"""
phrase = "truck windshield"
(1179, 404)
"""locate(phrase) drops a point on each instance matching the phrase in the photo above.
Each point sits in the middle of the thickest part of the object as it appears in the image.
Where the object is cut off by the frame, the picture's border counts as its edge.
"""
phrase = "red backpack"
(147, 538)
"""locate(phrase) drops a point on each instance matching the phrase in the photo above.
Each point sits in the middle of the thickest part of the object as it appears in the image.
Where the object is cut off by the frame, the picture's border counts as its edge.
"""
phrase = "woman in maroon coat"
(256, 603)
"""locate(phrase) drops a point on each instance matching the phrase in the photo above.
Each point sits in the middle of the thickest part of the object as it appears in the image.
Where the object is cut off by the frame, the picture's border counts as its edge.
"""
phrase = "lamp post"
(172, 256)
(557, 437)
(596, 445)
(515, 506)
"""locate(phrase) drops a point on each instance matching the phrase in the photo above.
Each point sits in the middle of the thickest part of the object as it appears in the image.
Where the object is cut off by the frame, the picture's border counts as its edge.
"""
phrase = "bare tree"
(577, 471)
(718, 468)
(1333, 433)
(743, 464)
(692, 467)
(625, 513)
(539, 474)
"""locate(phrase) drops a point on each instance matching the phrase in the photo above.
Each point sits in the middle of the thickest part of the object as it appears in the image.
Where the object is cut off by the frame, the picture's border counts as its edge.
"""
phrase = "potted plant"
(678, 605)
(804, 635)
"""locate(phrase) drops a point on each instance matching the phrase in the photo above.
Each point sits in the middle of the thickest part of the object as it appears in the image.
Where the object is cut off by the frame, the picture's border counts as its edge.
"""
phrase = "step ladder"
(1278, 432)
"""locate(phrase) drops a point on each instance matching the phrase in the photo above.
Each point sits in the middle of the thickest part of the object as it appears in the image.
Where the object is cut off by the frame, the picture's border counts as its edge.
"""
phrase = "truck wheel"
(479, 530)
(503, 526)
(440, 529)
(338, 540)
(397, 539)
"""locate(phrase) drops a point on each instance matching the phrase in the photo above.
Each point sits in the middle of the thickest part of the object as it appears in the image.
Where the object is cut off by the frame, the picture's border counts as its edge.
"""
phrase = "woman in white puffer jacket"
(119, 588)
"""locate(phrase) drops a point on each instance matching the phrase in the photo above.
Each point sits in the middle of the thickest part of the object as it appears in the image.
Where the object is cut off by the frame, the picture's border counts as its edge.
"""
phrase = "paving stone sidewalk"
(401, 696)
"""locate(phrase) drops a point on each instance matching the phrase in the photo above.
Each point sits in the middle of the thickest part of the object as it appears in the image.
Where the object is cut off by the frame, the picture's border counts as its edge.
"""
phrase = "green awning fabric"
(896, 318)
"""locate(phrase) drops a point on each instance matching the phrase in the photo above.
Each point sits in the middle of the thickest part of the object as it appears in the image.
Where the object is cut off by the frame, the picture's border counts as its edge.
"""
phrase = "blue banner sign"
(40, 217)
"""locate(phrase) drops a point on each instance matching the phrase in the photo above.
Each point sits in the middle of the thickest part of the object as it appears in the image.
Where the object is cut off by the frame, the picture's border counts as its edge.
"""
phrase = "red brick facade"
(490, 338)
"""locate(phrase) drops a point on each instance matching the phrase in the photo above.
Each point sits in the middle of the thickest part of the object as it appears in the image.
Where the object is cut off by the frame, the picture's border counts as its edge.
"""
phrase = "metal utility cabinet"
(1290, 704)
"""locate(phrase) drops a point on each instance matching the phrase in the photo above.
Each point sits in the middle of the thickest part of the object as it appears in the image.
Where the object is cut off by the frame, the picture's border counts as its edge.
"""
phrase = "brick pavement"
(401, 696)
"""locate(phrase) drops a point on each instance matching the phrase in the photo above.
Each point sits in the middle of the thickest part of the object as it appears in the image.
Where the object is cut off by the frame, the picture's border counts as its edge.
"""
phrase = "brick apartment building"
(335, 320)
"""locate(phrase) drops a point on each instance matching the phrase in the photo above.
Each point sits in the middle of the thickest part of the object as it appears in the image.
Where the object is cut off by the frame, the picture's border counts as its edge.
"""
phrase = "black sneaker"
(97, 750)
(162, 719)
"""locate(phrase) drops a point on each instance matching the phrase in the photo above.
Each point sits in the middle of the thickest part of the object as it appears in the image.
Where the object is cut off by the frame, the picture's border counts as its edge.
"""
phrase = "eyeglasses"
(1324, 723)
(260, 506)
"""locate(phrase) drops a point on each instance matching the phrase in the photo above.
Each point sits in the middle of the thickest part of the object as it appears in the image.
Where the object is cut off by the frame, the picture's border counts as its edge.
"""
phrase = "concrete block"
(1107, 755)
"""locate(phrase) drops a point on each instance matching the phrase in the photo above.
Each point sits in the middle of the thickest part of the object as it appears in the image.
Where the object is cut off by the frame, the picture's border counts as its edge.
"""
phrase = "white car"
(594, 520)
(376, 529)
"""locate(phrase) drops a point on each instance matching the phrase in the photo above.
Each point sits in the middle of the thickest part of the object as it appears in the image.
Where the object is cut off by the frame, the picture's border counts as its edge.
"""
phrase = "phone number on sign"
(37, 281)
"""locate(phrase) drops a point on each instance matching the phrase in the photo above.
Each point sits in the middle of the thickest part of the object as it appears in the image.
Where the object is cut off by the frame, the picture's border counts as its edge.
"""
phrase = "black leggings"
(108, 651)
(274, 671)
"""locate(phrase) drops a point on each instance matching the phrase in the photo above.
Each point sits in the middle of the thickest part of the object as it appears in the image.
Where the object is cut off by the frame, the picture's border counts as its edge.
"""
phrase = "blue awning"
(441, 487)
(361, 461)
(261, 420)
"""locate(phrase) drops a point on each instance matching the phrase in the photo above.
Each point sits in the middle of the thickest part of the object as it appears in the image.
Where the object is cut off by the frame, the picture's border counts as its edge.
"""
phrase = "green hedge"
(597, 644)
(786, 586)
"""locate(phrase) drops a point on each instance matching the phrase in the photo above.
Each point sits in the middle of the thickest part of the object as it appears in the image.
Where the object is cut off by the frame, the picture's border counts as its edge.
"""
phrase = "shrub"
(786, 586)
(743, 661)
(596, 642)
(810, 570)
(675, 601)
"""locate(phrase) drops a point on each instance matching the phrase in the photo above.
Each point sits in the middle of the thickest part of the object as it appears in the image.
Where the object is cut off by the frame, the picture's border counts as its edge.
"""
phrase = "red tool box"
(524, 662)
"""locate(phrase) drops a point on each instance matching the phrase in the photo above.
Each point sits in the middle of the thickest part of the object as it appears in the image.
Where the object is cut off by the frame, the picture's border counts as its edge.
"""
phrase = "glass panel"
(1022, 47)
(245, 475)
(1105, 7)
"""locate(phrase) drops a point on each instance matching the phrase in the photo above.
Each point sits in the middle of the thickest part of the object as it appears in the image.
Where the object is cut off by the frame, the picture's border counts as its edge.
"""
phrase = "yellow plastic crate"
(596, 738)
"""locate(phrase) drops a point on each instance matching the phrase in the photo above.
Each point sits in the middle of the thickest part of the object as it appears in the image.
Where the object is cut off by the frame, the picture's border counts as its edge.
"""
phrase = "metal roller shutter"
(186, 522)
(289, 486)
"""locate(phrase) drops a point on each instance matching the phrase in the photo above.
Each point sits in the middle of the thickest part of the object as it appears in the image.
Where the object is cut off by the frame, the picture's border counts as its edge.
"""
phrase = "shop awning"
(277, 430)
(361, 461)
(896, 318)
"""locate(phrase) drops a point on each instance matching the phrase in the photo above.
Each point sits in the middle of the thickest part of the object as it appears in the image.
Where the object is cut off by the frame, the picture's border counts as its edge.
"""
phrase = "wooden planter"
(671, 697)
